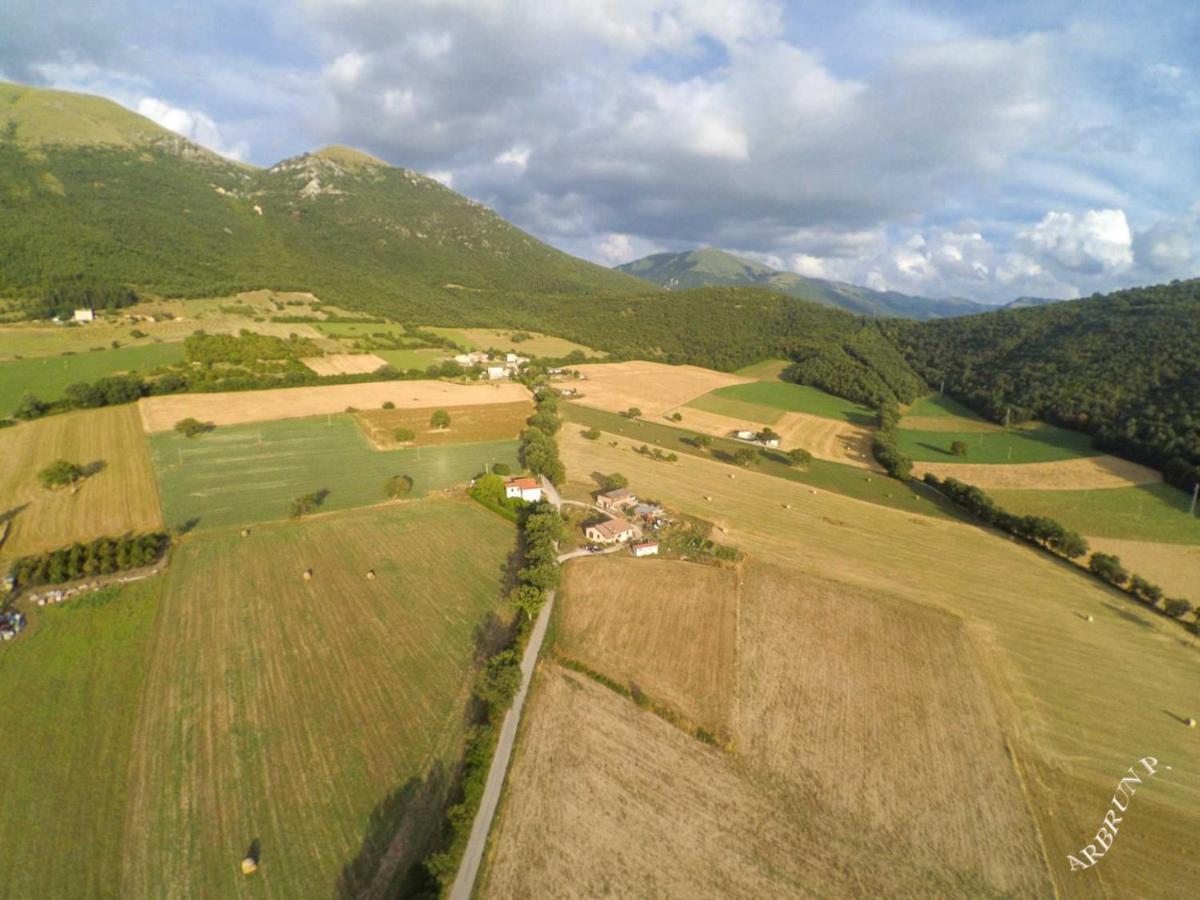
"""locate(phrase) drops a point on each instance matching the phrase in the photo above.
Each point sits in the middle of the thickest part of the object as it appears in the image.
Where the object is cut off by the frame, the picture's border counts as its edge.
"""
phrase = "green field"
(1152, 512)
(1041, 443)
(251, 473)
(501, 339)
(320, 718)
(940, 405)
(48, 377)
(782, 397)
(767, 370)
(850, 481)
(421, 358)
(70, 687)
(359, 329)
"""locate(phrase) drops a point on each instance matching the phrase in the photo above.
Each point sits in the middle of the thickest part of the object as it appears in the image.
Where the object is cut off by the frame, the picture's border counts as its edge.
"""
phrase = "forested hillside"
(1124, 367)
(90, 190)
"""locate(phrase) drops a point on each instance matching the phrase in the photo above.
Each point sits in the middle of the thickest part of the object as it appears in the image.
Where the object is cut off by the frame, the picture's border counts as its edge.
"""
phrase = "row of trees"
(102, 556)
(1107, 567)
(885, 444)
(539, 450)
(1038, 530)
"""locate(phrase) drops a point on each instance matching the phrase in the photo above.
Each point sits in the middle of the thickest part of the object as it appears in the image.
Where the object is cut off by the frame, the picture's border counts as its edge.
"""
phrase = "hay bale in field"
(1091, 618)
(370, 574)
(1191, 723)
(308, 574)
(249, 866)
(245, 532)
(709, 499)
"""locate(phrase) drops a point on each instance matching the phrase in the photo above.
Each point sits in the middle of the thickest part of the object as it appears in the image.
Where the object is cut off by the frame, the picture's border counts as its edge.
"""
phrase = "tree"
(489, 489)
(632, 413)
(498, 681)
(958, 448)
(743, 456)
(1070, 544)
(60, 473)
(388, 404)
(799, 457)
(403, 435)
(592, 434)
(703, 441)
(615, 481)
(440, 419)
(190, 427)
(1177, 607)
(501, 469)
(303, 505)
(30, 407)
(676, 417)
(1108, 567)
(398, 486)
(768, 434)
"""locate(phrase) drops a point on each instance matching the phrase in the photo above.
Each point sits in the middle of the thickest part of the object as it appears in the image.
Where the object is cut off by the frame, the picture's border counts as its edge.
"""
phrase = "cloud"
(1097, 241)
(192, 124)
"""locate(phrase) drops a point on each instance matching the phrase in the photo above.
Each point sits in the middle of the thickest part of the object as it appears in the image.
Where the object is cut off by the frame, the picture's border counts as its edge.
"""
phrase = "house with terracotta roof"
(523, 488)
(612, 531)
(616, 500)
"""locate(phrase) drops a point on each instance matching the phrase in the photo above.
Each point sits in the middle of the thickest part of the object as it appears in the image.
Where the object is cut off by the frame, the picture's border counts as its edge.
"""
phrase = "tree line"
(102, 556)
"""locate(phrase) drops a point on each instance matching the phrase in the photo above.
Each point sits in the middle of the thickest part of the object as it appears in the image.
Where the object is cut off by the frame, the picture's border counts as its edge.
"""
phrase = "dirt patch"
(344, 363)
(1173, 567)
(481, 422)
(654, 388)
(668, 627)
(237, 408)
(1086, 473)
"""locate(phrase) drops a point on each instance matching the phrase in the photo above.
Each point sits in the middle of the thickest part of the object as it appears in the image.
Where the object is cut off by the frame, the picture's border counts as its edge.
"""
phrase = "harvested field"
(823, 438)
(669, 627)
(1173, 567)
(120, 496)
(654, 388)
(251, 473)
(237, 408)
(1147, 512)
(320, 717)
(344, 363)
(491, 422)
(1084, 473)
(1071, 733)
(606, 800)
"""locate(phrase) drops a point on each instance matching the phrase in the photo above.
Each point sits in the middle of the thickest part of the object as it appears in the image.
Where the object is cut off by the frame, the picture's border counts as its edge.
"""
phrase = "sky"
(981, 150)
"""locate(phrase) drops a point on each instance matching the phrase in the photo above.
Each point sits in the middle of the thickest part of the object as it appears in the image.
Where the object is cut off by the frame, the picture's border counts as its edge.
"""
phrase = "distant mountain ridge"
(93, 191)
(708, 266)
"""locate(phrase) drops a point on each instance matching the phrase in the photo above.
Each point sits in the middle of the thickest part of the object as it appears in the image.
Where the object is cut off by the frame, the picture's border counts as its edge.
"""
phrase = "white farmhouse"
(84, 315)
(524, 488)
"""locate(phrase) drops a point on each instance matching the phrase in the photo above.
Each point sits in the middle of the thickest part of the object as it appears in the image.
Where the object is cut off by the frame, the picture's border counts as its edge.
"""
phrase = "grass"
(48, 377)
(1152, 512)
(319, 717)
(121, 496)
(784, 397)
(850, 481)
(70, 685)
(1041, 443)
(1071, 733)
(251, 473)
(421, 358)
(500, 339)
(767, 370)
(940, 405)
(358, 329)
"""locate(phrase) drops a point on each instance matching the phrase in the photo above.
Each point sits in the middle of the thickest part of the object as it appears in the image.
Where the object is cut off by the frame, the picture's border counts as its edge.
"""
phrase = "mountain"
(1122, 366)
(1025, 302)
(92, 191)
(698, 268)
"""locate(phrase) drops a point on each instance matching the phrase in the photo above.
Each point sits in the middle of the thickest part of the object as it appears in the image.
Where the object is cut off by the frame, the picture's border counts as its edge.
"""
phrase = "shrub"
(388, 404)
(60, 473)
(403, 435)
(440, 419)
(592, 434)
(958, 448)
(398, 486)
(502, 469)
(190, 427)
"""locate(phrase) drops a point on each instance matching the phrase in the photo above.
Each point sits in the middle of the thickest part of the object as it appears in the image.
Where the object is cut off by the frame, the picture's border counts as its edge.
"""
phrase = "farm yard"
(71, 687)
(119, 496)
(48, 376)
(489, 422)
(654, 388)
(318, 717)
(240, 407)
(669, 627)
(1026, 617)
(251, 473)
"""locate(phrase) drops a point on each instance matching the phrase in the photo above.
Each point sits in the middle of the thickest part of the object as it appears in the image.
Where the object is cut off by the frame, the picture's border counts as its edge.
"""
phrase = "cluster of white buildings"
(627, 517)
(495, 368)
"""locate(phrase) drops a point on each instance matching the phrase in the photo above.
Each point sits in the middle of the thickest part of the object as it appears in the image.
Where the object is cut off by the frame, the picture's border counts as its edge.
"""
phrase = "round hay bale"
(1091, 618)
(812, 490)
(1191, 723)
(249, 866)
(730, 474)
(308, 574)
(708, 498)
(787, 506)
(245, 532)
(370, 574)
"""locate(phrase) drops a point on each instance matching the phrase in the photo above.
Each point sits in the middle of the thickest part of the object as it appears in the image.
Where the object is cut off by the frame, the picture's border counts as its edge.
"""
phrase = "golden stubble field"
(824, 438)
(121, 496)
(344, 363)
(880, 759)
(1079, 701)
(240, 407)
(654, 388)
(1084, 473)
(482, 422)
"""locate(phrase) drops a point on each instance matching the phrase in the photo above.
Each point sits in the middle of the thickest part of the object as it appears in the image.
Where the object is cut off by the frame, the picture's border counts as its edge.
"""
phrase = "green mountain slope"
(1125, 367)
(699, 268)
(89, 189)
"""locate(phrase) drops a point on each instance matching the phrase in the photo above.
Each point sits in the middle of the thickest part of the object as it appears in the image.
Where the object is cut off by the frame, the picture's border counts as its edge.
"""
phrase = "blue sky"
(986, 150)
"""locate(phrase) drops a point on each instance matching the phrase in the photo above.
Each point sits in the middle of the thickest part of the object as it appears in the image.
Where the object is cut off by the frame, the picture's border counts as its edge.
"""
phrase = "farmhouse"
(756, 437)
(496, 372)
(525, 488)
(646, 548)
(616, 500)
(474, 358)
(84, 315)
(612, 531)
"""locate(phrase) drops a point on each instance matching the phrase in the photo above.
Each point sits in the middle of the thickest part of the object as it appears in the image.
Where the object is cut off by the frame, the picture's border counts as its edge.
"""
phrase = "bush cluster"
(102, 556)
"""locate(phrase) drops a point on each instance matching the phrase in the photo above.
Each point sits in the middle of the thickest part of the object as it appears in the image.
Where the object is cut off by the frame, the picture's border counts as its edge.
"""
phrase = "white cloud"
(192, 124)
(1097, 241)
(442, 176)
(346, 68)
(514, 156)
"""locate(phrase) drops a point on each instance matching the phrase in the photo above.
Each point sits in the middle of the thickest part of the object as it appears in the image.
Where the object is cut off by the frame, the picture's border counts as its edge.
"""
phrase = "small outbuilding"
(646, 548)
(615, 500)
(84, 315)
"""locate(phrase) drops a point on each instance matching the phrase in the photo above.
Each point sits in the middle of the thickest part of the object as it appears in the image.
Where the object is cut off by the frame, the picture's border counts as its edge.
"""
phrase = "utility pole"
(1195, 493)
(1007, 415)
(942, 389)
